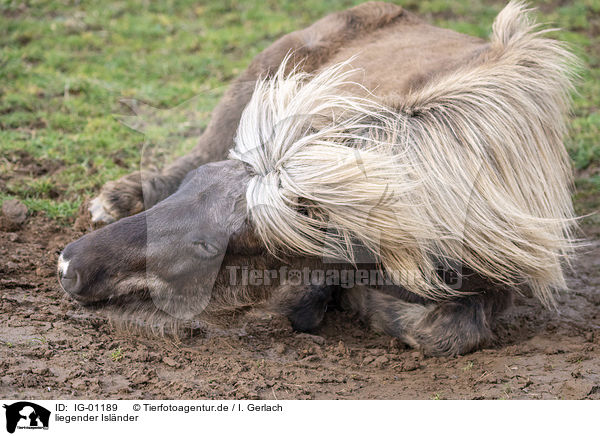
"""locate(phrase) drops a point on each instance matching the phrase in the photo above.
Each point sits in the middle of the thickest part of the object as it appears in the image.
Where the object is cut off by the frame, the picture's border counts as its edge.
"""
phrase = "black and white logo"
(26, 415)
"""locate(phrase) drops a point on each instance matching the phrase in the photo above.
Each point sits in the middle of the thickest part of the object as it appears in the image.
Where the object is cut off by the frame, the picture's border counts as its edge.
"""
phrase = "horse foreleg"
(438, 328)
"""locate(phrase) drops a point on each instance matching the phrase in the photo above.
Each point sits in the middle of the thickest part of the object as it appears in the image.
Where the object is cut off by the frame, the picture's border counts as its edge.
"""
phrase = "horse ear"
(4, 405)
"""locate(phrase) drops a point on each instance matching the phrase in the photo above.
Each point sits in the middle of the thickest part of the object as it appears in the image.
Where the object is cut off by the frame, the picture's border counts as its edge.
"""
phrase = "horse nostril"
(71, 284)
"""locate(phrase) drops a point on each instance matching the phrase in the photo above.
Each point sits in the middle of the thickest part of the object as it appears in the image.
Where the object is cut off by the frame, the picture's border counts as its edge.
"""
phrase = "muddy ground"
(51, 348)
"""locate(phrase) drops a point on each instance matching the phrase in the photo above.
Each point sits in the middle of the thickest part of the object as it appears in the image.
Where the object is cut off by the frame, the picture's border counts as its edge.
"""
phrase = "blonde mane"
(470, 168)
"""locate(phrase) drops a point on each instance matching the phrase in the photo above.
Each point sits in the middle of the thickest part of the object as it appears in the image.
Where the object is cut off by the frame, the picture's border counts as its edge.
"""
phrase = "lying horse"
(427, 163)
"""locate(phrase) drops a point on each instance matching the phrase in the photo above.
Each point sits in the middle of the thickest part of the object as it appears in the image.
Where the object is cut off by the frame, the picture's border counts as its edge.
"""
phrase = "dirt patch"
(21, 166)
(52, 348)
(26, 164)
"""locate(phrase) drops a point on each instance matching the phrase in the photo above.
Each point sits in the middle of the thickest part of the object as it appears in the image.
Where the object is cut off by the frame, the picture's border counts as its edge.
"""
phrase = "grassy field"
(65, 66)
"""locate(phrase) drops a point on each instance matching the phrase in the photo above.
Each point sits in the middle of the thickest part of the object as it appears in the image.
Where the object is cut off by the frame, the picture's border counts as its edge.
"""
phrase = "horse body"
(432, 99)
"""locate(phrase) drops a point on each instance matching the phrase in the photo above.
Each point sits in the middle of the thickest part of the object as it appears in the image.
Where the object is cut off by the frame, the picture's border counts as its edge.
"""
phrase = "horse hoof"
(98, 211)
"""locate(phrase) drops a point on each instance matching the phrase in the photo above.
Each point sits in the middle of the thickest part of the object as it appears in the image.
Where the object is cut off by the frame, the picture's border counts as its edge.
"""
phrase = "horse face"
(171, 252)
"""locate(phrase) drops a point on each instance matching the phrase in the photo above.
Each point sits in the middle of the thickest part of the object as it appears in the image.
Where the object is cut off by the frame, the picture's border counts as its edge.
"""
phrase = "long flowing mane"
(469, 168)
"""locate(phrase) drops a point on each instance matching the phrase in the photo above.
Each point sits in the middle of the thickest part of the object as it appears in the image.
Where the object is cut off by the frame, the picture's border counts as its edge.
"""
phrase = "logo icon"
(26, 415)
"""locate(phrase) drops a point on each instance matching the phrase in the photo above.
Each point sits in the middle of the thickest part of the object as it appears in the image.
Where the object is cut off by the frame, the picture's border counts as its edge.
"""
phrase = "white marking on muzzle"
(63, 265)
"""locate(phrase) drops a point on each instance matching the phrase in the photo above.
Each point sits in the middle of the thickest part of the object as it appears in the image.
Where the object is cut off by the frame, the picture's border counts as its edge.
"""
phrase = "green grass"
(116, 355)
(65, 65)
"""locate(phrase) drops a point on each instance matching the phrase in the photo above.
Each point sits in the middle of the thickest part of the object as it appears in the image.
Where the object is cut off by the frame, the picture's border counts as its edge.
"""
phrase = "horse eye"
(205, 249)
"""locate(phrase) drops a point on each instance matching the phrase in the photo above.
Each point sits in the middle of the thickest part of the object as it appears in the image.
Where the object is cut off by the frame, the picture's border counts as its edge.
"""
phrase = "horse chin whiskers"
(136, 308)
